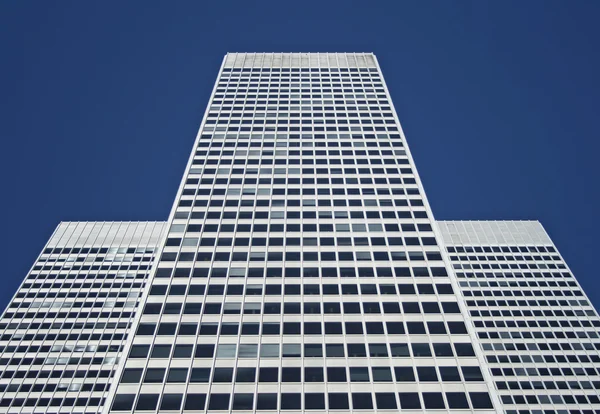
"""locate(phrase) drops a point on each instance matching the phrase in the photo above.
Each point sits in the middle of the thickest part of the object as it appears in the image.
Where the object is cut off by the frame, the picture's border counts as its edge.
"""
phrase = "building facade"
(538, 330)
(301, 269)
(62, 335)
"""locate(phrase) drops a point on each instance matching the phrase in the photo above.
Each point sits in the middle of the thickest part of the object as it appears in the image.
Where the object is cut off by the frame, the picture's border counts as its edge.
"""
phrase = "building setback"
(300, 269)
(63, 333)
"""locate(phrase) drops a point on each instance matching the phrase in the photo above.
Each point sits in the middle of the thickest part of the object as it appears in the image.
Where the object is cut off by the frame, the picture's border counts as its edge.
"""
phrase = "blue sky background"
(100, 103)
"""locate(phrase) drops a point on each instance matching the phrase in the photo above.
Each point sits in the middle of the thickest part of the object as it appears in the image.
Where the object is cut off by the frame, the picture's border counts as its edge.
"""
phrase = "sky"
(100, 103)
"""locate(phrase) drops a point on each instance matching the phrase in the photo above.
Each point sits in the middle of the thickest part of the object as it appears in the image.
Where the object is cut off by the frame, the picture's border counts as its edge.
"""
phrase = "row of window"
(498, 249)
(295, 328)
(293, 401)
(57, 373)
(52, 402)
(544, 372)
(304, 214)
(249, 191)
(99, 250)
(310, 308)
(538, 335)
(332, 141)
(75, 285)
(536, 282)
(61, 387)
(301, 202)
(64, 315)
(556, 313)
(274, 70)
(535, 323)
(354, 350)
(271, 256)
(88, 276)
(132, 266)
(71, 326)
(505, 258)
(524, 266)
(540, 346)
(295, 272)
(306, 289)
(523, 292)
(213, 214)
(549, 359)
(550, 399)
(62, 347)
(548, 385)
(511, 274)
(304, 129)
(294, 374)
(342, 119)
(284, 152)
(63, 337)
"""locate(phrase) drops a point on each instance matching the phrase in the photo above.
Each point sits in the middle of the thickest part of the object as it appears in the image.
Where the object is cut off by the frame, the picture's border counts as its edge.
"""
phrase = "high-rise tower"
(300, 270)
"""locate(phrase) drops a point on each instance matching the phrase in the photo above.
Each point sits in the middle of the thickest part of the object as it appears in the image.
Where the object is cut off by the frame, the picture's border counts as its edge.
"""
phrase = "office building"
(63, 333)
(301, 269)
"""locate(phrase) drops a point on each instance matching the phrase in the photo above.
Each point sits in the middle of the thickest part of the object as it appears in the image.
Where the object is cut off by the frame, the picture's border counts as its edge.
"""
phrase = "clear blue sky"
(100, 103)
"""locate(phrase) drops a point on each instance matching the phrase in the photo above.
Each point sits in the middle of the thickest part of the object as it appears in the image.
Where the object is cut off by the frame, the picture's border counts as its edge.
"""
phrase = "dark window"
(243, 401)
(409, 400)
(154, 375)
(268, 375)
(457, 400)
(219, 402)
(200, 375)
(472, 373)
(171, 402)
(449, 374)
(123, 402)
(427, 374)
(386, 401)
(223, 375)
(313, 374)
(404, 374)
(421, 350)
(480, 400)
(290, 401)
(464, 349)
(336, 374)
(314, 401)
(131, 375)
(338, 401)
(147, 402)
(177, 375)
(362, 401)
(245, 375)
(195, 402)
(433, 400)
(266, 402)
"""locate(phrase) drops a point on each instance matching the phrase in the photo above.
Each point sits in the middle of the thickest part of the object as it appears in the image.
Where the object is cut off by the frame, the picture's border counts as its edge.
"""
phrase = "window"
(457, 400)
(338, 401)
(314, 401)
(243, 401)
(433, 400)
(131, 375)
(195, 402)
(409, 400)
(123, 402)
(219, 402)
(171, 402)
(147, 402)
(480, 400)
(385, 401)
(290, 401)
